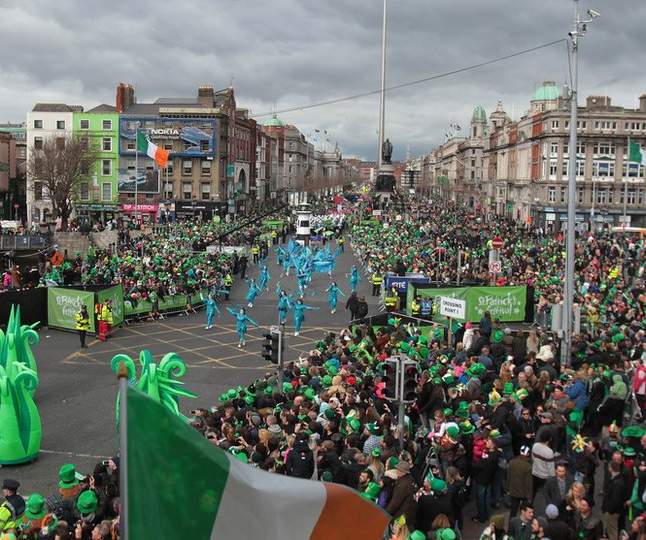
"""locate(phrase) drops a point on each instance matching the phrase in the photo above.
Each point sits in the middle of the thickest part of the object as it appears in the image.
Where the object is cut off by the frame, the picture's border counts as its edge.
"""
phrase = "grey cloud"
(293, 52)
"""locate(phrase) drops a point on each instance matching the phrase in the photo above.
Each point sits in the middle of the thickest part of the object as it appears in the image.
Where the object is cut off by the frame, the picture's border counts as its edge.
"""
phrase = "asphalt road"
(76, 396)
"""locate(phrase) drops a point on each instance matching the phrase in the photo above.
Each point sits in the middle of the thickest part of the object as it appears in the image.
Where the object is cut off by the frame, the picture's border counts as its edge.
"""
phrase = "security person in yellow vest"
(228, 282)
(11, 509)
(105, 320)
(255, 251)
(82, 324)
(376, 281)
(274, 237)
(415, 307)
(341, 243)
(391, 300)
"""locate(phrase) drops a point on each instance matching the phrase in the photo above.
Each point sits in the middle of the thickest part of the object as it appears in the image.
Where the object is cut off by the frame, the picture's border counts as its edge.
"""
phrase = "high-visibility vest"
(106, 314)
(377, 279)
(414, 308)
(228, 280)
(390, 301)
(82, 323)
(255, 250)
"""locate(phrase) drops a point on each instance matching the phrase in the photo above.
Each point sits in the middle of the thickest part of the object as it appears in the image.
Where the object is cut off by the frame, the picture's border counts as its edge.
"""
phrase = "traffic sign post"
(401, 383)
(497, 242)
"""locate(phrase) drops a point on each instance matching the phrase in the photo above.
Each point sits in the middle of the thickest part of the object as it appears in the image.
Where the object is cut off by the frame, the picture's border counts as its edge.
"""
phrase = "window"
(567, 124)
(566, 149)
(553, 168)
(206, 168)
(580, 148)
(85, 124)
(640, 196)
(596, 125)
(580, 193)
(169, 167)
(187, 192)
(206, 191)
(38, 124)
(580, 167)
(551, 194)
(60, 124)
(38, 143)
(632, 170)
(168, 187)
(107, 144)
(204, 146)
(106, 191)
(602, 195)
(85, 143)
(106, 125)
(604, 149)
(603, 169)
(106, 167)
(38, 191)
(85, 167)
(631, 196)
(84, 194)
(565, 168)
(168, 146)
(581, 124)
(187, 167)
(554, 149)
(60, 143)
(563, 190)
(555, 124)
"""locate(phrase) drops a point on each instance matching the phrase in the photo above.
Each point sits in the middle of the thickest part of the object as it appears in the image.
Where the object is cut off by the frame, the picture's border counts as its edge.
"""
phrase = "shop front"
(143, 213)
(95, 212)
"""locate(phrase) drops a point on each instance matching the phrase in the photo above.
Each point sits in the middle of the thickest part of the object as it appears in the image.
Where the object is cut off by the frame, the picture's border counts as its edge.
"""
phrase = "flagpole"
(626, 182)
(136, 175)
(122, 375)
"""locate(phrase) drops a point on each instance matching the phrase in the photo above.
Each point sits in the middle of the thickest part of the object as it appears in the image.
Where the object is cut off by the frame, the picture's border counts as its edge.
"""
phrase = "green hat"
(35, 507)
(448, 379)
(376, 452)
(327, 380)
(332, 371)
(416, 535)
(404, 346)
(445, 534)
(287, 387)
(452, 431)
(67, 476)
(269, 390)
(354, 424)
(508, 389)
(87, 502)
(329, 414)
(497, 336)
(241, 456)
(437, 484)
(392, 462)
(521, 394)
(633, 431)
(223, 397)
(372, 491)
(310, 393)
(372, 428)
(448, 412)
(629, 451)
(466, 427)
(232, 394)
(249, 400)
(494, 434)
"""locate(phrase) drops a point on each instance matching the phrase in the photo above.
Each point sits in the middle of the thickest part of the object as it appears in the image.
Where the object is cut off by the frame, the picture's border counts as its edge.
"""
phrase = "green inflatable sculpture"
(157, 381)
(20, 427)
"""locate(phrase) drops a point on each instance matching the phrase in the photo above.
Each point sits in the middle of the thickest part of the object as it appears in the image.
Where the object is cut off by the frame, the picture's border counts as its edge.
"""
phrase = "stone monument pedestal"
(386, 179)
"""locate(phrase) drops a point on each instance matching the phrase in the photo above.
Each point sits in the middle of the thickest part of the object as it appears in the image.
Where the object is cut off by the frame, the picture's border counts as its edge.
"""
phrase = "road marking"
(72, 454)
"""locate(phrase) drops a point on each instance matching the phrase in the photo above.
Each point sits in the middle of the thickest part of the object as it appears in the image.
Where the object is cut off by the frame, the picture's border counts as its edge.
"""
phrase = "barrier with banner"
(63, 305)
(115, 295)
(170, 303)
(509, 304)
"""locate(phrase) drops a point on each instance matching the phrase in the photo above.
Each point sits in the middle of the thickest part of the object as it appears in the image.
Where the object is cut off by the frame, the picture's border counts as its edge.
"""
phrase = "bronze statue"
(386, 151)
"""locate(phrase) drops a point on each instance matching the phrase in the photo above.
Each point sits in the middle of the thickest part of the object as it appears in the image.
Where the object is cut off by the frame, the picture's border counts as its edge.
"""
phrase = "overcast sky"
(286, 53)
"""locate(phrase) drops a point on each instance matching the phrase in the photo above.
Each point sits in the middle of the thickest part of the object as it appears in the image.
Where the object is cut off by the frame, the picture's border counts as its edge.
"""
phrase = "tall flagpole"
(123, 447)
(382, 98)
(626, 184)
(136, 175)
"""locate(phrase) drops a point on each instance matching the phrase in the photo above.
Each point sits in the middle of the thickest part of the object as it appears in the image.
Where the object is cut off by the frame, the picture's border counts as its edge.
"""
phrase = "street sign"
(376, 213)
(497, 242)
(495, 267)
(453, 307)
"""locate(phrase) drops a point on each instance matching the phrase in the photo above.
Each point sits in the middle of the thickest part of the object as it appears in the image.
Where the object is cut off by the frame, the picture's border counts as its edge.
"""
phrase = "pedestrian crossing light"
(409, 381)
(390, 377)
(270, 347)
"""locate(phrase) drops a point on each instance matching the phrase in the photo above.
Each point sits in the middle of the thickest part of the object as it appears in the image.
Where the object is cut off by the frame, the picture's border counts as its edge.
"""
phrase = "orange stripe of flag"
(346, 515)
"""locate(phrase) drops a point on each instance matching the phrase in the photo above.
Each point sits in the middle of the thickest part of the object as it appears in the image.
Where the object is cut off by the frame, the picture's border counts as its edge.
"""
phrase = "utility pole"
(579, 29)
(382, 96)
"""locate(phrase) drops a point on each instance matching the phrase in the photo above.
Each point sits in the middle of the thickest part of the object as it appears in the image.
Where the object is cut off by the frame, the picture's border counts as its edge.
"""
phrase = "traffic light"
(270, 347)
(409, 381)
(390, 376)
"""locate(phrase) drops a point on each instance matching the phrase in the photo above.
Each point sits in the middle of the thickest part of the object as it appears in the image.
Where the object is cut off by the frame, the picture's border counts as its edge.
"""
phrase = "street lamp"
(579, 29)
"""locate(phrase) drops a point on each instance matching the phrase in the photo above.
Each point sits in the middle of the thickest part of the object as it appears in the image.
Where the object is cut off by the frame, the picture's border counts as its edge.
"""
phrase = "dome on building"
(274, 121)
(548, 91)
(479, 115)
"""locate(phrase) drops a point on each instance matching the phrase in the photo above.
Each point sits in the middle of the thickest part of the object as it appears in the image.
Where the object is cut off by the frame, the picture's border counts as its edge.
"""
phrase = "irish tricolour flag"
(181, 486)
(635, 153)
(144, 146)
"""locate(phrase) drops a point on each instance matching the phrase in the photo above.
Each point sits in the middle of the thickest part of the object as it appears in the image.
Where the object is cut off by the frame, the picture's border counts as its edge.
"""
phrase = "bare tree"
(60, 165)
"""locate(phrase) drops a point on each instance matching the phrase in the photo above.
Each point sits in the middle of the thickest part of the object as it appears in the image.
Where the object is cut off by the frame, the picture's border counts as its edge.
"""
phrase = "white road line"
(73, 454)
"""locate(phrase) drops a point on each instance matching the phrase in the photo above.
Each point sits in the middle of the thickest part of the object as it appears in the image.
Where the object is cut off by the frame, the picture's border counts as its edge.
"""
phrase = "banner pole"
(122, 376)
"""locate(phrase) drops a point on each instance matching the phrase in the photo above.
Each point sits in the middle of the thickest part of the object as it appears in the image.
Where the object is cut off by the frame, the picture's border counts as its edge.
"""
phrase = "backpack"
(302, 463)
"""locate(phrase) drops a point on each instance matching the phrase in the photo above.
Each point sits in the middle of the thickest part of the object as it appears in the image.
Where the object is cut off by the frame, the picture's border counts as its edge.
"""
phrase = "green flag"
(635, 153)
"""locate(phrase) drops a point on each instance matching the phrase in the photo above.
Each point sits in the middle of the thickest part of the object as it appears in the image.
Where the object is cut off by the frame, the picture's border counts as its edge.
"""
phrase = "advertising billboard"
(147, 180)
(182, 137)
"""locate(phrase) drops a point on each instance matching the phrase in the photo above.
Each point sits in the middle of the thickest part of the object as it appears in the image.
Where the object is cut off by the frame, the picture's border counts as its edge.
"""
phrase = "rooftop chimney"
(125, 97)
(205, 95)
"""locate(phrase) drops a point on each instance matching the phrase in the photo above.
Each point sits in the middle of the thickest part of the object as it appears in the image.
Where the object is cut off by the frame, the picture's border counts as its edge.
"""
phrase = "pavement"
(77, 391)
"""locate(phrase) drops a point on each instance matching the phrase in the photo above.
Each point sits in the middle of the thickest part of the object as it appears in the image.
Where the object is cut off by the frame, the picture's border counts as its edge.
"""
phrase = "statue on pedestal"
(386, 151)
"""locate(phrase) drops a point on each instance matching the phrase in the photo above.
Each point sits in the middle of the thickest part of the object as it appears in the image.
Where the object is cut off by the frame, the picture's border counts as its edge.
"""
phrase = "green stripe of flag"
(635, 152)
(142, 143)
(176, 477)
